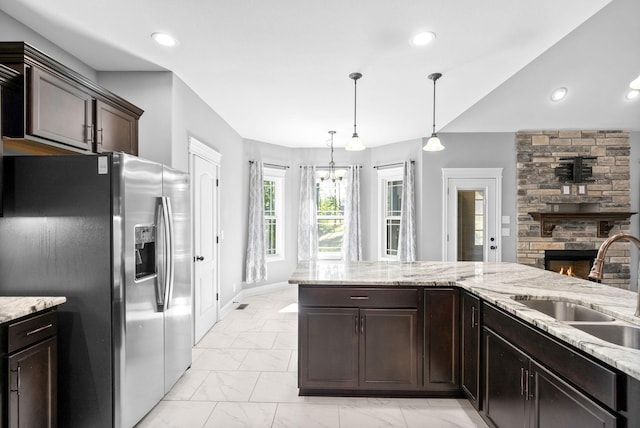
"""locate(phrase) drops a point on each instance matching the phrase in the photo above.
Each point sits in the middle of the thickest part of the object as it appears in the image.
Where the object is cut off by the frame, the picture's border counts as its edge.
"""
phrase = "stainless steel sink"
(566, 311)
(623, 335)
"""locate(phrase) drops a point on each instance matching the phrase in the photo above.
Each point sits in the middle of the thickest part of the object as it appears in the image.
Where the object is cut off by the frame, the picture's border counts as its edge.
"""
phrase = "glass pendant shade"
(433, 144)
(355, 145)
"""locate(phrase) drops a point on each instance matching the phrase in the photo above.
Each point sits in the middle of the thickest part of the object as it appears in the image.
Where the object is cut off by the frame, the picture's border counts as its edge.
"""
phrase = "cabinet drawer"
(361, 297)
(31, 330)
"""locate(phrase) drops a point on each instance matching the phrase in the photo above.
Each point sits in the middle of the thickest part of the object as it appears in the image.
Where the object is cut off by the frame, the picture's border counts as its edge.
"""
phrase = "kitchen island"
(393, 343)
(28, 361)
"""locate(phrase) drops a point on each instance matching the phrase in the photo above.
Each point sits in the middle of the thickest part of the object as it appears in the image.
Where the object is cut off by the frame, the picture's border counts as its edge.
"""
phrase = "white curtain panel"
(256, 267)
(352, 240)
(407, 238)
(307, 216)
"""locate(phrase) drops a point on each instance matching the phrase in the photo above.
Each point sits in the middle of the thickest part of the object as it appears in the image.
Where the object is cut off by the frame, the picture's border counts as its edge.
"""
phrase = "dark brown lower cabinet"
(358, 349)
(442, 340)
(519, 392)
(328, 346)
(470, 333)
(32, 396)
(358, 339)
(29, 358)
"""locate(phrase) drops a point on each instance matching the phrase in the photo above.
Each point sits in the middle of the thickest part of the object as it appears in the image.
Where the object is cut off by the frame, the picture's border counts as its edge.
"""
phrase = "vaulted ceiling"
(277, 71)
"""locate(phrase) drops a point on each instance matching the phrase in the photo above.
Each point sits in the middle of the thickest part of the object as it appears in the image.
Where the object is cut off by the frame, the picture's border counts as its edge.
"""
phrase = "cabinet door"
(328, 348)
(116, 131)
(32, 384)
(506, 371)
(558, 405)
(389, 349)
(442, 340)
(470, 331)
(59, 111)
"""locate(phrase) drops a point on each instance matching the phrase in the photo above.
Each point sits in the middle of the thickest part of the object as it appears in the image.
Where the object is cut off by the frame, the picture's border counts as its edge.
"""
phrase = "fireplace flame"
(568, 271)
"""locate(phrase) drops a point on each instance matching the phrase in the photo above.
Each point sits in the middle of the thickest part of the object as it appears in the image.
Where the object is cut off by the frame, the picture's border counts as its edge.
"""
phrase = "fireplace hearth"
(570, 262)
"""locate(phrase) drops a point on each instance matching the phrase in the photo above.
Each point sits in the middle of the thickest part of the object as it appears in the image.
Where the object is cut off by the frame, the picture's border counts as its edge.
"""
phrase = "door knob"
(199, 258)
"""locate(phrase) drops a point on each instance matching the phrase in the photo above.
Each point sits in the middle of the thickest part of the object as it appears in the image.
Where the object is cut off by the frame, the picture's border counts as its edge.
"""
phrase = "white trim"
(383, 176)
(471, 173)
(198, 148)
(277, 175)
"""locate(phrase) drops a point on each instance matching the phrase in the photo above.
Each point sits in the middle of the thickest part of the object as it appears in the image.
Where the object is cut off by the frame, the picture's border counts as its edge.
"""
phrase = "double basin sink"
(590, 321)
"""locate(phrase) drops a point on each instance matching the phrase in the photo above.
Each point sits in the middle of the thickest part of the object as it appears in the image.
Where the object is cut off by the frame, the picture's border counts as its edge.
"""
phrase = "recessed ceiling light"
(559, 94)
(633, 94)
(423, 38)
(635, 84)
(164, 39)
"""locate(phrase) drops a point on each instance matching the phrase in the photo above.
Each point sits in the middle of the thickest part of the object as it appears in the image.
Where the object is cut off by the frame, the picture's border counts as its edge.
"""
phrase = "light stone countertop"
(497, 283)
(12, 308)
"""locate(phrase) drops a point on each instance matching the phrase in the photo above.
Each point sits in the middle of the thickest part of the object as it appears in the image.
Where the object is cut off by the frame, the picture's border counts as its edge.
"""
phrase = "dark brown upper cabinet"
(61, 111)
(116, 130)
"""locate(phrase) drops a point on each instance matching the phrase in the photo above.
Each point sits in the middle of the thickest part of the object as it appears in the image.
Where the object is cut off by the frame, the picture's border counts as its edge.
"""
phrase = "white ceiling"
(277, 71)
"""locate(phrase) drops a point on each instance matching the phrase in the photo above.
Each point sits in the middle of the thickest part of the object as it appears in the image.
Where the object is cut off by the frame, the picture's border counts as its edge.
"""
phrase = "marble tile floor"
(244, 375)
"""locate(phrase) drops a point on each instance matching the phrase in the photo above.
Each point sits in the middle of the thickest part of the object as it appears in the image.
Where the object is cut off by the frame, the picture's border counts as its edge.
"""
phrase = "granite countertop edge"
(14, 307)
(503, 285)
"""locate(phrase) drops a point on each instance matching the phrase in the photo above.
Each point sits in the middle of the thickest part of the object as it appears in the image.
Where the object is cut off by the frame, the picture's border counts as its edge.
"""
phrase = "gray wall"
(14, 31)
(472, 150)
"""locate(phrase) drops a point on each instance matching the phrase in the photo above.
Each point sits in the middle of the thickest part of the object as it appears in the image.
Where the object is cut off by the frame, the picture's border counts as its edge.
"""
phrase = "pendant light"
(433, 143)
(333, 175)
(355, 145)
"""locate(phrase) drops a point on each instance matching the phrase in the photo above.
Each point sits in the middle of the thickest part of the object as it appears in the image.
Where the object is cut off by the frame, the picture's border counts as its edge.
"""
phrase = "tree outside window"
(330, 199)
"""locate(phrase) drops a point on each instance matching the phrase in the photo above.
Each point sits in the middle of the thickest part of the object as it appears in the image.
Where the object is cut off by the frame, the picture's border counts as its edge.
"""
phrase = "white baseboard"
(255, 291)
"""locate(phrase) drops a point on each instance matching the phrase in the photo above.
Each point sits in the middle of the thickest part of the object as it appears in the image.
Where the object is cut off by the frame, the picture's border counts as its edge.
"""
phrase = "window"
(273, 180)
(390, 185)
(330, 199)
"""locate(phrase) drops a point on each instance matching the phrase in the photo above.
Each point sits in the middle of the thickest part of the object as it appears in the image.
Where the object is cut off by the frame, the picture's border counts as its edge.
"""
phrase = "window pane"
(269, 198)
(393, 233)
(330, 214)
(330, 233)
(394, 197)
(270, 236)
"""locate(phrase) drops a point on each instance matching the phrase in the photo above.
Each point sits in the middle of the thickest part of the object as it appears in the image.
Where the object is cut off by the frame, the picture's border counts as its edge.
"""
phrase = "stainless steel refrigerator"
(112, 234)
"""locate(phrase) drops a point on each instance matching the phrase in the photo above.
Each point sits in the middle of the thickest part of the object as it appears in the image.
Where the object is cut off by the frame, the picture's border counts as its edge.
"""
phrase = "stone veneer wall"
(538, 153)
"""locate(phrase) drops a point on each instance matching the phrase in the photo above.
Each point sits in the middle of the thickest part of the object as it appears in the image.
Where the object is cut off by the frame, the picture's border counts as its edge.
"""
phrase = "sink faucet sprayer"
(596, 270)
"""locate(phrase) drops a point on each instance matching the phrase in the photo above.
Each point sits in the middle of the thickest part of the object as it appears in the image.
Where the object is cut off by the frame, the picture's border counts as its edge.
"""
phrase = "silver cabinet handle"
(359, 297)
(473, 317)
(38, 330)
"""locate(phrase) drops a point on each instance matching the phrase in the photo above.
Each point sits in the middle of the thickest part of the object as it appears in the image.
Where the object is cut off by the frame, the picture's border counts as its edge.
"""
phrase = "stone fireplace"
(542, 194)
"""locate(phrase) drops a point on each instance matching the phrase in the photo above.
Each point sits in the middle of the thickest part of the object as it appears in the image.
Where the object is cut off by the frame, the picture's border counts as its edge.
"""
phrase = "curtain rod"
(273, 165)
(327, 166)
(389, 165)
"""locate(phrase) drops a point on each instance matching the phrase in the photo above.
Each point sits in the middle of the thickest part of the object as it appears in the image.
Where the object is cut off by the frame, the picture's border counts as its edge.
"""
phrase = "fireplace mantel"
(606, 220)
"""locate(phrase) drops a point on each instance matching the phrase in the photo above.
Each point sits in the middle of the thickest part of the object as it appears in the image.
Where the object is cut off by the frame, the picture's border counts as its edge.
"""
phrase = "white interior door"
(472, 204)
(204, 177)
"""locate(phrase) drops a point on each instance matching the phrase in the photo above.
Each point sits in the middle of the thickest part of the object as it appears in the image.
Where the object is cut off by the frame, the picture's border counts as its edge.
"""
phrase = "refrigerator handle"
(169, 251)
(161, 254)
